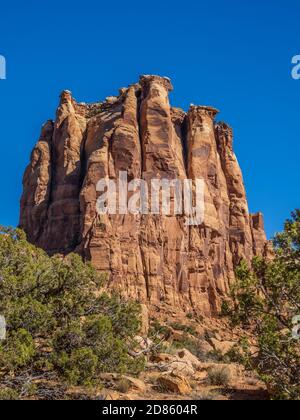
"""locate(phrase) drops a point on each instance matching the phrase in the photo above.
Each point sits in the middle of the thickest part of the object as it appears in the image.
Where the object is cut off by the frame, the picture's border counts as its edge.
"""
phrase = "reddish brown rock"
(151, 257)
(258, 234)
(174, 383)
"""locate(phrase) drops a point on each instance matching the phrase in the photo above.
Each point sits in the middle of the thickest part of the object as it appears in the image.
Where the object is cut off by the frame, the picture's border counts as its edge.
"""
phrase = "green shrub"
(236, 355)
(7, 394)
(78, 367)
(57, 321)
(17, 350)
(185, 328)
(215, 355)
(266, 300)
(156, 329)
(123, 386)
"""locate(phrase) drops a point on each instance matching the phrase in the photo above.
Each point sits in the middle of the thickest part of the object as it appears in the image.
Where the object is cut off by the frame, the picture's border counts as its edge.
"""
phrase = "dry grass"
(219, 376)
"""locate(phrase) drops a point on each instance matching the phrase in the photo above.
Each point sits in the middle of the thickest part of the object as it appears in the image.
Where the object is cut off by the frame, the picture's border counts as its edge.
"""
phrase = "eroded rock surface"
(153, 258)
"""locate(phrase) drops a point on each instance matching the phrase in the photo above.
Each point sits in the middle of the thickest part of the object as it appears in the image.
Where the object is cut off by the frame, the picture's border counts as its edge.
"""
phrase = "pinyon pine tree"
(58, 324)
(266, 299)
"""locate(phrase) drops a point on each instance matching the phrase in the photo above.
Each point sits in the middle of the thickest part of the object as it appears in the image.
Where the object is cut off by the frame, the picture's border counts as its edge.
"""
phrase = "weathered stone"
(174, 383)
(144, 343)
(181, 368)
(184, 364)
(133, 383)
(222, 346)
(108, 395)
(186, 356)
(204, 348)
(156, 259)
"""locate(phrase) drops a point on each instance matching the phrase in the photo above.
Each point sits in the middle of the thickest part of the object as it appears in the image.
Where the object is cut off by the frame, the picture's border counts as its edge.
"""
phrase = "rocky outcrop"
(174, 383)
(149, 257)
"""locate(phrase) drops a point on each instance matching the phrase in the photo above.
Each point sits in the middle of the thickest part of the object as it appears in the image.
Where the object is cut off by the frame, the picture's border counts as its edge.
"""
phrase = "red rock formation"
(151, 257)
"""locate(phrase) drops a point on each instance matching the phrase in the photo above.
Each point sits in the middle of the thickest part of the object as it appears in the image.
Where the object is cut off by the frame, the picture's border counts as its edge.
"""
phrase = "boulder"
(163, 358)
(204, 347)
(181, 368)
(176, 384)
(186, 356)
(222, 346)
(132, 383)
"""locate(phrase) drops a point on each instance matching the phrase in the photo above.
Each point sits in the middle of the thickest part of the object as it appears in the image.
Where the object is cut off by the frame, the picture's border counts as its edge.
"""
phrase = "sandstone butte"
(152, 258)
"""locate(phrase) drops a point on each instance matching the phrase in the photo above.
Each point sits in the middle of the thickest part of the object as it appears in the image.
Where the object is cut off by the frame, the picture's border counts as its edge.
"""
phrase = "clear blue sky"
(234, 55)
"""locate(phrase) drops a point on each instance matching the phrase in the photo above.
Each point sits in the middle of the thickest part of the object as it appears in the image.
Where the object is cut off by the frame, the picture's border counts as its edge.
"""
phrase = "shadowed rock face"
(153, 258)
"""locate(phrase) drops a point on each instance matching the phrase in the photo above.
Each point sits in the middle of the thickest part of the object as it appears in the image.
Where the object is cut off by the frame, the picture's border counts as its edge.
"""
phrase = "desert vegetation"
(59, 325)
(63, 330)
(266, 303)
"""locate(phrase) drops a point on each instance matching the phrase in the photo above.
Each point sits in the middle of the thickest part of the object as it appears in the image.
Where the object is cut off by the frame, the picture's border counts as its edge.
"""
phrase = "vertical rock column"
(52, 182)
(258, 234)
(37, 188)
(62, 232)
(209, 256)
(240, 236)
(163, 238)
(111, 241)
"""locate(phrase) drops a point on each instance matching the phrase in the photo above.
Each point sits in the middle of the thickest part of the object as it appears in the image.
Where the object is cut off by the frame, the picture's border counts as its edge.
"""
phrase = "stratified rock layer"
(152, 258)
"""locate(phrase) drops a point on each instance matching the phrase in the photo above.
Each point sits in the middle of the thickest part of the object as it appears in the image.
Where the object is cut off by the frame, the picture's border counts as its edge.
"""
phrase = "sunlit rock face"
(150, 257)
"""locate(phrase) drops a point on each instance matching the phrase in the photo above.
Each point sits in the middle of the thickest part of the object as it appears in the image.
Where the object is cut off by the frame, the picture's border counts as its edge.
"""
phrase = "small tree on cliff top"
(267, 300)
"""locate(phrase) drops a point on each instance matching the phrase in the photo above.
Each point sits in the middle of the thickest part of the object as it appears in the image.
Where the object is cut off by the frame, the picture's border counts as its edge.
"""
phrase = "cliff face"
(151, 257)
